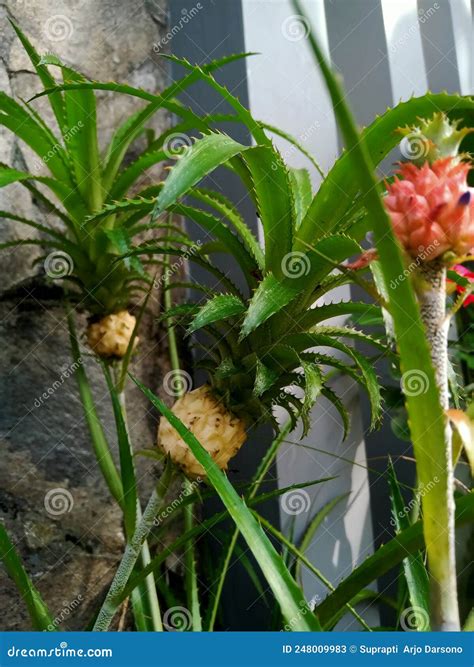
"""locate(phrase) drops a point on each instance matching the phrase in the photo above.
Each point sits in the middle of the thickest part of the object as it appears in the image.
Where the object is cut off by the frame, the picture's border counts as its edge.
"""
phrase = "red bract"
(465, 273)
(431, 209)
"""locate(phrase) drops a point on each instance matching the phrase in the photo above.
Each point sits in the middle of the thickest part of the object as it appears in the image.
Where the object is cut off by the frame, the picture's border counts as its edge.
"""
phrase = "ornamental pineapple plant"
(431, 209)
(86, 250)
(265, 339)
(85, 246)
(82, 252)
(264, 343)
(267, 344)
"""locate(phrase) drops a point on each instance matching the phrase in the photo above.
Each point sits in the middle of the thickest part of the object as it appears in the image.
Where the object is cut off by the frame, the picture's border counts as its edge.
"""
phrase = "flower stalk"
(149, 587)
(431, 292)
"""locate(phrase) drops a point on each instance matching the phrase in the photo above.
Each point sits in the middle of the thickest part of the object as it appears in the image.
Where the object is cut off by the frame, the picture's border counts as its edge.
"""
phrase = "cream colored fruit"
(110, 336)
(219, 431)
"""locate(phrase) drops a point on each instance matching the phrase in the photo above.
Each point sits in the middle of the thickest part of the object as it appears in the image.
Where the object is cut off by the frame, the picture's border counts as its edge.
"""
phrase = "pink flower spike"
(432, 210)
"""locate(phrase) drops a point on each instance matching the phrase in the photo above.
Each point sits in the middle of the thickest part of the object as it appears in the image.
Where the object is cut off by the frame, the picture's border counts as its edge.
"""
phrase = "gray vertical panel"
(217, 31)
(359, 51)
(437, 36)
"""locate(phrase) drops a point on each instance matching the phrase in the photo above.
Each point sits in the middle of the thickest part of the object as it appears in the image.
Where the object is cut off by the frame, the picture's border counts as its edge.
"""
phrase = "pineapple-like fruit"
(110, 336)
(219, 431)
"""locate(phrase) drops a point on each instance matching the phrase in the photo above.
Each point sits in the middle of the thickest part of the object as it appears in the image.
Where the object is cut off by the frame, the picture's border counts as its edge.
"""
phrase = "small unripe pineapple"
(219, 431)
(110, 336)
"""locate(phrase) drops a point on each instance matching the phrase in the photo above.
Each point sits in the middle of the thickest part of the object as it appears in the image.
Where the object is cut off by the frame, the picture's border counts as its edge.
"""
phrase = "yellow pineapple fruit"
(219, 431)
(110, 336)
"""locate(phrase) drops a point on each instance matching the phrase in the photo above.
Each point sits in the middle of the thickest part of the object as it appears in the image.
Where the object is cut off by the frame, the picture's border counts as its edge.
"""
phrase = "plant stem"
(145, 557)
(432, 299)
(99, 441)
(132, 553)
(192, 590)
(258, 478)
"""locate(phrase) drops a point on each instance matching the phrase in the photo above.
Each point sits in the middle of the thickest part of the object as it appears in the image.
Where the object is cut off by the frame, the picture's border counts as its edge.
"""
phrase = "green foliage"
(264, 332)
(427, 420)
(416, 575)
(84, 183)
(290, 597)
(40, 617)
(408, 541)
(301, 262)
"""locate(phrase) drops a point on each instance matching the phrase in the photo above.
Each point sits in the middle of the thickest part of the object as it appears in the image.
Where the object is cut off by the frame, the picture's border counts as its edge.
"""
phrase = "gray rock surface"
(53, 499)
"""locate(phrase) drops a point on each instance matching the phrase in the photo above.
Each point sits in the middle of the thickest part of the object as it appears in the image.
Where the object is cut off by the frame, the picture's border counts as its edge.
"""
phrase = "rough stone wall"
(70, 538)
